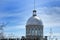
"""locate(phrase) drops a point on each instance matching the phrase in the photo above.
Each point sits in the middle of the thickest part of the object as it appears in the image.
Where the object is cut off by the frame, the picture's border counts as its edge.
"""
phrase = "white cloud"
(14, 31)
(50, 16)
(17, 27)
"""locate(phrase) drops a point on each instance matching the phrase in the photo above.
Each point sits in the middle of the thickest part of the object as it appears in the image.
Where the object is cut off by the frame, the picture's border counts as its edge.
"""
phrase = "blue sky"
(17, 12)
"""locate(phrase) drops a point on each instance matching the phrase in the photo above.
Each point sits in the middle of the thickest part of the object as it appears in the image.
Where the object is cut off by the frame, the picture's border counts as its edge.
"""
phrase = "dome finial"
(34, 11)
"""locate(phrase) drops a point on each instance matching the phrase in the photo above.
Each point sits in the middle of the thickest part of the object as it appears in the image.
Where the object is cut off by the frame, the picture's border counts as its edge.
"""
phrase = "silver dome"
(34, 20)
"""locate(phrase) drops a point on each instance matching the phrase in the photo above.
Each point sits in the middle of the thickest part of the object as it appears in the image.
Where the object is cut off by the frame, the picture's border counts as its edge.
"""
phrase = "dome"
(34, 20)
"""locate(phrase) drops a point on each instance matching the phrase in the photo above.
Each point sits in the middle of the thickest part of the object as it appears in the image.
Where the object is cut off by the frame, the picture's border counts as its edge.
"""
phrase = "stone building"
(34, 28)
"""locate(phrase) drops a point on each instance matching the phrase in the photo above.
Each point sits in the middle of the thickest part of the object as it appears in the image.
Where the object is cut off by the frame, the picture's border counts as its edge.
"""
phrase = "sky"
(17, 12)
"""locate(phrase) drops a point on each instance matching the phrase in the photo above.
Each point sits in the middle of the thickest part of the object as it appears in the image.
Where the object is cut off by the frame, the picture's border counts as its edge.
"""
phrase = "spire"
(34, 11)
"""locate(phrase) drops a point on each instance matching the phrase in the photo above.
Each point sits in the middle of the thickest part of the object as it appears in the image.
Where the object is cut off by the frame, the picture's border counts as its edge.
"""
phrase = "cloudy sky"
(17, 12)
